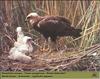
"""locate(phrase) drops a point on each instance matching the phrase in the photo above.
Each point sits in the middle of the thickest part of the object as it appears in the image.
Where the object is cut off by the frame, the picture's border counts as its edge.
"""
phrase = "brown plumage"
(52, 26)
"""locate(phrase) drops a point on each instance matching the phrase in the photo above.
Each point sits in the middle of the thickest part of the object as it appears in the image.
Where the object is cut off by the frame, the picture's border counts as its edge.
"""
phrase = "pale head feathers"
(19, 29)
(32, 14)
(30, 17)
(26, 38)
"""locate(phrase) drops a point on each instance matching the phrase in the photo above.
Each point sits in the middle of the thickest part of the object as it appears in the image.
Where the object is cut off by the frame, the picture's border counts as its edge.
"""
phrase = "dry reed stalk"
(82, 14)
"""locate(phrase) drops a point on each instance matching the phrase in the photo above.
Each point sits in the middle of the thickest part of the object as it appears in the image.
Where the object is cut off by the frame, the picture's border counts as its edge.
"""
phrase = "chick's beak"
(29, 41)
(26, 19)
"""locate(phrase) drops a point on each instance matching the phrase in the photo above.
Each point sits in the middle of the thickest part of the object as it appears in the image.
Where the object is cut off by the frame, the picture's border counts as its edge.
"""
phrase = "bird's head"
(31, 17)
(27, 39)
(19, 29)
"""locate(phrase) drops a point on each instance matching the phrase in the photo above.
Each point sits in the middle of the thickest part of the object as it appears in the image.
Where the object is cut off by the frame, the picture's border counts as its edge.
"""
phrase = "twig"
(36, 44)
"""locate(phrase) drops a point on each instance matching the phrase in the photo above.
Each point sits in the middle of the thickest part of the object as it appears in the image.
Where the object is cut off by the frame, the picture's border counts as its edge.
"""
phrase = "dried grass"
(82, 14)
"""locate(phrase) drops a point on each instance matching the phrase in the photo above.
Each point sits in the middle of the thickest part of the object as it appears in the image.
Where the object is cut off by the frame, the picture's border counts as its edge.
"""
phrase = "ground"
(56, 61)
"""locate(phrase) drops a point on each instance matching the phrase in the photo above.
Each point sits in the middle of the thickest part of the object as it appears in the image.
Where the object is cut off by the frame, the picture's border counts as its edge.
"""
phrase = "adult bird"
(19, 52)
(52, 26)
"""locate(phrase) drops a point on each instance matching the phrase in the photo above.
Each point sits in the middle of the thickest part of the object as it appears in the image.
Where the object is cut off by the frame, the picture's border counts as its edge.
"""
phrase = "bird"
(18, 55)
(52, 26)
(22, 39)
(26, 47)
(19, 52)
(20, 36)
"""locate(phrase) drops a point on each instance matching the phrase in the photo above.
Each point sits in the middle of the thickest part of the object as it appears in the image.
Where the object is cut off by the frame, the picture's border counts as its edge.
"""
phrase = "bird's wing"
(12, 50)
(54, 24)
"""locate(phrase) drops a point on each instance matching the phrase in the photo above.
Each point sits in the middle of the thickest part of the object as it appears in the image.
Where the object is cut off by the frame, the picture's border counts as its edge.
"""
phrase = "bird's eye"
(29, 40)
(28, 17)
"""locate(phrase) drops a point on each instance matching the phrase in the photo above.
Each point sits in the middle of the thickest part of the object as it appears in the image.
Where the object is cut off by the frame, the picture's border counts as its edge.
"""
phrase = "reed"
(82, 14)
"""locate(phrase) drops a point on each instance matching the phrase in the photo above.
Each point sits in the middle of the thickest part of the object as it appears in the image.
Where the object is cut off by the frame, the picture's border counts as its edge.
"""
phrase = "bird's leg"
(45, 46)
(49, 44)
(53, 45)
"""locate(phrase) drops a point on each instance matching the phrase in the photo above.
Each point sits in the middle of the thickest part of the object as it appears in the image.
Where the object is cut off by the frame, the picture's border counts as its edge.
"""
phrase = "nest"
(56, 61)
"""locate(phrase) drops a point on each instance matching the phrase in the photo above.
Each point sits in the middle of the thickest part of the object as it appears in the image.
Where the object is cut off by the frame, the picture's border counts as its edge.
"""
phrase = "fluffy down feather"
(19, 52)
(20, 36)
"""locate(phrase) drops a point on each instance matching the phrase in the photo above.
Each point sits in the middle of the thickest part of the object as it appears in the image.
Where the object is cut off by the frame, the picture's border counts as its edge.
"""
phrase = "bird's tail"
(76, 33)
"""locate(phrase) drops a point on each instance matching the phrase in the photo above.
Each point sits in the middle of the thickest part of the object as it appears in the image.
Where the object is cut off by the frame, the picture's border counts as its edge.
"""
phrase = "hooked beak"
(26, 19)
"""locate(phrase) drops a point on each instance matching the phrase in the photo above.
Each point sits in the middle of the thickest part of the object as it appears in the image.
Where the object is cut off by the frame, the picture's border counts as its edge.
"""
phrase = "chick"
(20, 36)
(19, 52)
(26, 47)
(17, 55)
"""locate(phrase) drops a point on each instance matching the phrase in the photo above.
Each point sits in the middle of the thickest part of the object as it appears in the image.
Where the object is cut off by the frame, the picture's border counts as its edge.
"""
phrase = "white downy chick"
(18, 53)
(26, 47)
(20, 36)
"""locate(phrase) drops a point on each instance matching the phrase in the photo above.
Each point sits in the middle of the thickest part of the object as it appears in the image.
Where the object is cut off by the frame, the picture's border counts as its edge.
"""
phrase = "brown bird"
(52, 26)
